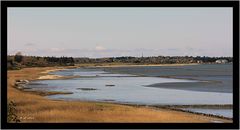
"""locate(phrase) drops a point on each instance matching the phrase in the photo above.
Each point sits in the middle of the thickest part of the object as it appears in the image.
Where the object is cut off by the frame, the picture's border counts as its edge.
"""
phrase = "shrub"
(11, 113)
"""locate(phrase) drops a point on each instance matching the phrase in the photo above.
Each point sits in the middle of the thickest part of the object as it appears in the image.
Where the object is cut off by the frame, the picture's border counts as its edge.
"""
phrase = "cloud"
(29, 44)
(99, 48)
(57, 49)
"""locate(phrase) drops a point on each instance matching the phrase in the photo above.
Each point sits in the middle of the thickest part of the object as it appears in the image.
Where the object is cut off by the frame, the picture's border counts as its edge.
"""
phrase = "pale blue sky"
(104, 32)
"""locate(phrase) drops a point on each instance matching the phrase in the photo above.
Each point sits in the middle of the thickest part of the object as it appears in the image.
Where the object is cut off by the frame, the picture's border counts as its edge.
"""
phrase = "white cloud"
(99, 48)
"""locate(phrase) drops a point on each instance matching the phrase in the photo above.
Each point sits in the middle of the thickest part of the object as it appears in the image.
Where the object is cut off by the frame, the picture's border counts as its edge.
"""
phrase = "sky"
(111, 32)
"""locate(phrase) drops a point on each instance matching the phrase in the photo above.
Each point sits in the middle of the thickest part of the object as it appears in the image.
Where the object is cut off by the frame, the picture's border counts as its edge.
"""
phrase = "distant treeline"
(19, 61)
(153, 60)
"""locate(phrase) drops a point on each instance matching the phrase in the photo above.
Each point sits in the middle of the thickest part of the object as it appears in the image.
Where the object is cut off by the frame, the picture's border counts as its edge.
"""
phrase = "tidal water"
(98, 84)
(219, 112)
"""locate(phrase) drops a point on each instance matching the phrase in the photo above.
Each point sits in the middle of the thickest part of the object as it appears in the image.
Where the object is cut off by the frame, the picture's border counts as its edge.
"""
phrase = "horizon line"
(127, 56)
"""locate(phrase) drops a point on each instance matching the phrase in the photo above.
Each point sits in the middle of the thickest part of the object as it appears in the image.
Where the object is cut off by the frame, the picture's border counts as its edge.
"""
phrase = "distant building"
(199, 61)
(221, 61)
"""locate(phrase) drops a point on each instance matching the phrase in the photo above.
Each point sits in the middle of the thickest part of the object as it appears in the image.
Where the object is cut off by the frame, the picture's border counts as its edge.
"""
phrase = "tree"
(18, 57)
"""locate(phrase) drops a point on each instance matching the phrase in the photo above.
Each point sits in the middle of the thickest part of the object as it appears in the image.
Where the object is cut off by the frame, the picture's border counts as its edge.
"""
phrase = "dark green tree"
(18, 57)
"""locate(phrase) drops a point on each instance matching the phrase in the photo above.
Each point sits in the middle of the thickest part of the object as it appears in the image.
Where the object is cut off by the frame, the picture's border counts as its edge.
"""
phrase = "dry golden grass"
(35, 108)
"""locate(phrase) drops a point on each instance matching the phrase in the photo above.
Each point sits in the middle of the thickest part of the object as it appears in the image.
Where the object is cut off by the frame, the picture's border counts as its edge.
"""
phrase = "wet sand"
(202, 86)
(48, 77)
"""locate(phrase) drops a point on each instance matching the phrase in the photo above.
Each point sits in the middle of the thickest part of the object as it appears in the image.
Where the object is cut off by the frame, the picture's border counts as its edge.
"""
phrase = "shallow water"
(99, 85)
(221, 112)
(127, 88)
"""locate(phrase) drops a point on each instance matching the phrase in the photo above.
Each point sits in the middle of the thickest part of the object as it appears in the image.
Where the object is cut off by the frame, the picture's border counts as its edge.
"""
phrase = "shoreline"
(199, 118)
(142, 65)
(52, 76)
(169, 107)
(179, 108)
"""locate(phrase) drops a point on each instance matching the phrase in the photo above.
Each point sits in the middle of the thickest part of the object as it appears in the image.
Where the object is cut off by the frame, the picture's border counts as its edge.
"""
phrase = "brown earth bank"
(34, 107)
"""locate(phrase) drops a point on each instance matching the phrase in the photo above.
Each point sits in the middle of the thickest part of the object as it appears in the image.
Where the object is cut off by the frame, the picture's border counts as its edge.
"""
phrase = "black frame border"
(233, 4)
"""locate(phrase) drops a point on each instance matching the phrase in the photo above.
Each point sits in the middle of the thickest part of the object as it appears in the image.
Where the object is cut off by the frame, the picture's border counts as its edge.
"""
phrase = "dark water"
(219, 75)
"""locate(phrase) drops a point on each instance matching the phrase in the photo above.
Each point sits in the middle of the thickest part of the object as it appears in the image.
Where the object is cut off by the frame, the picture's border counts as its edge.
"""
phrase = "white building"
(221, 61)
